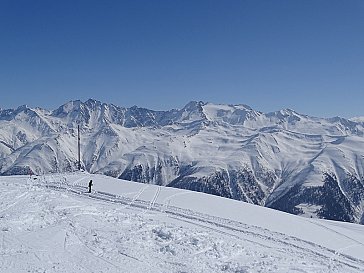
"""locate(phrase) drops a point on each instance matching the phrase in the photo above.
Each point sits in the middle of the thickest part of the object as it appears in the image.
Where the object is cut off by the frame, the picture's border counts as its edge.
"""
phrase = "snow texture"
(50, 223)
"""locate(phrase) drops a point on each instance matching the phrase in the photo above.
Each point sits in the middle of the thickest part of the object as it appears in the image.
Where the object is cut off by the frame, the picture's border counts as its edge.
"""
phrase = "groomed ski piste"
(51, 223)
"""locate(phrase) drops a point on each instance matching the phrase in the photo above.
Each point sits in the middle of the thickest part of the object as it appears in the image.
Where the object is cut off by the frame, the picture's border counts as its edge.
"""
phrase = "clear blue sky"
(307, 55)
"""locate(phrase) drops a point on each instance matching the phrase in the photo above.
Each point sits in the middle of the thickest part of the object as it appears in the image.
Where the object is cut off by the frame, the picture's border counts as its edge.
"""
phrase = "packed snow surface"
(51, 224)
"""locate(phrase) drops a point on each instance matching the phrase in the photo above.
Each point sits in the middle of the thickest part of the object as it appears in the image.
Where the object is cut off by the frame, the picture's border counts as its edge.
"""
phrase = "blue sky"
(307, 55)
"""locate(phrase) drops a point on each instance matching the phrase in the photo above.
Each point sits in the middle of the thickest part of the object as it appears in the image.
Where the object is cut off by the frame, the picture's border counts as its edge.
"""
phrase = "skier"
(89, 186)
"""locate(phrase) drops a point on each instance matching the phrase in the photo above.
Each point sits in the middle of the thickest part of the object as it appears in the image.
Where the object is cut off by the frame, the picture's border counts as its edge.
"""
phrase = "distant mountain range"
(284, 160)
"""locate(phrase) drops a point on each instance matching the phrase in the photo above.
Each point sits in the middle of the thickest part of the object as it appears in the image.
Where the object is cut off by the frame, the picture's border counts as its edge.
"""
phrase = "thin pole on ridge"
(79, 148)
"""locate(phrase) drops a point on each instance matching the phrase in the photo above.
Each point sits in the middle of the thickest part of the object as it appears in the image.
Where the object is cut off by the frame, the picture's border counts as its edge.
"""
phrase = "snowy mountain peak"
(67, 108)
(193, 111)
(23, 107)
(281, 159)
(92, 101)
(230, 114)
(194, 106)
(288, 112)
(87, 113)
(285, 114)
(24, 113)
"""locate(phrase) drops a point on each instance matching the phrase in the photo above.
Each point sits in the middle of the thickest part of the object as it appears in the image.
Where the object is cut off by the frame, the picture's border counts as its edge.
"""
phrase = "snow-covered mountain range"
(284, 160)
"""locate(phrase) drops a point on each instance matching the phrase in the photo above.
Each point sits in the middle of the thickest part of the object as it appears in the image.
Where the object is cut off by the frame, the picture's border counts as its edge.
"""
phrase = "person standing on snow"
(89, 186)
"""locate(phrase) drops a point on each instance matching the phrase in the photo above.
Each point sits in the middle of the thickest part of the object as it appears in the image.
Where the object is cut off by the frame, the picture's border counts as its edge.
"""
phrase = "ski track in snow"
(180, 213)
(356, 242)
(81, 242)
(155, 197)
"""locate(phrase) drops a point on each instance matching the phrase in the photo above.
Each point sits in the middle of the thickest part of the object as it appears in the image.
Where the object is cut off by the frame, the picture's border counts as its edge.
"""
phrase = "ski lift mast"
(79, 147)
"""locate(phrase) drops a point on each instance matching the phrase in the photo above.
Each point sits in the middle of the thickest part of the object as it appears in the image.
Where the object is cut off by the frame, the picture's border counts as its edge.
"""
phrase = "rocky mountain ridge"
(285, 160)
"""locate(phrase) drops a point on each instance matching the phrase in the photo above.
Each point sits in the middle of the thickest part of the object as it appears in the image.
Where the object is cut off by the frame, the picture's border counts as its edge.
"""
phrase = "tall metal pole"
(79, 148)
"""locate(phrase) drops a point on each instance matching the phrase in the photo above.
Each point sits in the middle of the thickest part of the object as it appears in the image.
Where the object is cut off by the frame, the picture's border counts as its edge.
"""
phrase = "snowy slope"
(50, 224)
(358, 119)
(284, 160)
